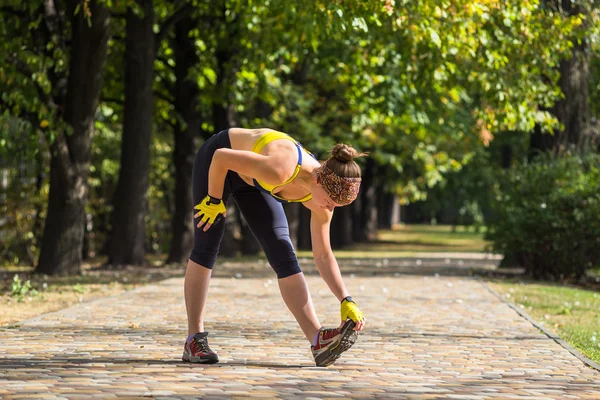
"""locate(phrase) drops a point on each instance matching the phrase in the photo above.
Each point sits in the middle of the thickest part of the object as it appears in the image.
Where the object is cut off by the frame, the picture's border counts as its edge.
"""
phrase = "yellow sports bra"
(267, 188)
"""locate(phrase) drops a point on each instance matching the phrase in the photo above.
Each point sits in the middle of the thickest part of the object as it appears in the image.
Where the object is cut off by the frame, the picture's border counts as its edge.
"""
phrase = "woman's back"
(244, 139)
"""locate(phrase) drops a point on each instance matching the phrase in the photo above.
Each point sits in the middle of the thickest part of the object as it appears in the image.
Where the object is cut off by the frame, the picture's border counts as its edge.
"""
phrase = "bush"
(548, 215)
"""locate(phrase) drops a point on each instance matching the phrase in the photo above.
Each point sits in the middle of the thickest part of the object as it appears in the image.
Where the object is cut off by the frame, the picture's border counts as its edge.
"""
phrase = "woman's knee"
(204, 258)
(283, 269)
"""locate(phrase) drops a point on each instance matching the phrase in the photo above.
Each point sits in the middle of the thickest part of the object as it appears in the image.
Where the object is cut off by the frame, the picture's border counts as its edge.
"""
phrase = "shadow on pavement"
(66, 362)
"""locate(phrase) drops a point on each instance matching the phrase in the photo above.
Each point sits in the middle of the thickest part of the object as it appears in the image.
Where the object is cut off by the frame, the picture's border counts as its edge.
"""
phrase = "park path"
(428, 337)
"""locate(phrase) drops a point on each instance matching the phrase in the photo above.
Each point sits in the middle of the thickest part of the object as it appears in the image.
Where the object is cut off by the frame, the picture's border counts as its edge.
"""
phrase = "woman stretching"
(262, 169)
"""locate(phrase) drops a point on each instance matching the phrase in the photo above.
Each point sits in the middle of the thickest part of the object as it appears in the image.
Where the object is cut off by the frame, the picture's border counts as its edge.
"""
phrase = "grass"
(570, 312)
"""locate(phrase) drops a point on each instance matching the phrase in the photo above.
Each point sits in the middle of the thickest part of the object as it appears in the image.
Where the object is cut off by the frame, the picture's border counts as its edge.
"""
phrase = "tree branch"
(60, 149)
(51, 17)
(184, 10)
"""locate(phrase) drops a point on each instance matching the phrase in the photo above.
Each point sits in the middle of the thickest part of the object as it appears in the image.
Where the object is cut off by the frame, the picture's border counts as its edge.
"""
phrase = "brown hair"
(342, 161)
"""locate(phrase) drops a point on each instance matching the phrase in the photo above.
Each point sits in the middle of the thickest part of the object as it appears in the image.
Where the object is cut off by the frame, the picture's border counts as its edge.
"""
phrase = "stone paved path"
(427, 338)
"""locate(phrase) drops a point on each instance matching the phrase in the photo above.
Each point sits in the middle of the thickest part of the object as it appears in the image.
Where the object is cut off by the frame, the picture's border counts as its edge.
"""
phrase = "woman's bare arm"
(273, 169)
(320, 223)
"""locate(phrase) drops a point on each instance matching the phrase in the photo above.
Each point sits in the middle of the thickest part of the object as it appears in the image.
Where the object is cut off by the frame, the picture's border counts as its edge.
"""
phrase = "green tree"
(127, 243)
(54, 59)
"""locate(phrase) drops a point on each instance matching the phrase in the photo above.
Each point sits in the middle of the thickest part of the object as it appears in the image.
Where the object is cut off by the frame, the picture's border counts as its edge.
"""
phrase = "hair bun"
(343, 152)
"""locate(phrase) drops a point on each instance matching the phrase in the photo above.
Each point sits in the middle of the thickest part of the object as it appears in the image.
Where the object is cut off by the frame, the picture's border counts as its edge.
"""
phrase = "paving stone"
(419, 343)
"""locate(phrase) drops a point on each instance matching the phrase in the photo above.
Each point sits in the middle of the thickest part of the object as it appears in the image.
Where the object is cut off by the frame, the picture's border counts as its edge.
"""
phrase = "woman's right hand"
(210, 211)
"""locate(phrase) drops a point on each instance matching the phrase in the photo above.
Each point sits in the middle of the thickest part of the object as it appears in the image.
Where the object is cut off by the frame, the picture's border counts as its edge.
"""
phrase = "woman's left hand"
(350, 310)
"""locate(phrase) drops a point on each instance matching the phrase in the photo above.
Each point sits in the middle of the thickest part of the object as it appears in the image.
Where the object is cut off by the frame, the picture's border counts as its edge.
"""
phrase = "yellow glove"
(210, 210)
(350, 310)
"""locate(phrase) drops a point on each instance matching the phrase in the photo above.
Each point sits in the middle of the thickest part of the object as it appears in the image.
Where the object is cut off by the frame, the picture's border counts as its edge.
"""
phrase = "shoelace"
(202, 344)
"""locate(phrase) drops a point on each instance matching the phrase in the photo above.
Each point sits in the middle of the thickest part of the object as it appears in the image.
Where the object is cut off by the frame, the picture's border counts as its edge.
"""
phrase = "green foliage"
(415, 83)
(22, 209)
(548, 213)
(419, 83)
(21, 289)
(161, 196)
(464, 195)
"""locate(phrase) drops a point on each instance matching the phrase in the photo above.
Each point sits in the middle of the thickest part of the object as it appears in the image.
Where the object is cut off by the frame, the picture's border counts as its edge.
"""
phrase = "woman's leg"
(296, 296)
(206, 244)
(268, 222)
(195, 288)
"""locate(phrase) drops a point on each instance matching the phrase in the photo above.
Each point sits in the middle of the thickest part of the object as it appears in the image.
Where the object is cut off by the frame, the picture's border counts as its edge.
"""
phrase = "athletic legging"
(264, 215)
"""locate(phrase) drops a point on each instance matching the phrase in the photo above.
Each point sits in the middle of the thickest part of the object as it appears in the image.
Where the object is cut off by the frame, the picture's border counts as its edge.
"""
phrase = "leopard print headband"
(343, 191)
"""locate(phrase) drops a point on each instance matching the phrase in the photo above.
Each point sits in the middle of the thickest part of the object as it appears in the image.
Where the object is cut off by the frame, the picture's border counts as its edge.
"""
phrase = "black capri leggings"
(264, 215)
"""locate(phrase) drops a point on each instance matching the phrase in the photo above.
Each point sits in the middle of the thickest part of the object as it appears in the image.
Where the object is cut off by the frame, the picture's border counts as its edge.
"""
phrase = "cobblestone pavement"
(427, 337)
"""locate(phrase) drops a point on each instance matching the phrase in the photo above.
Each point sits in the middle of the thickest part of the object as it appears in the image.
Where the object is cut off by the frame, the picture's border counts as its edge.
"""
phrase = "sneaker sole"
(199, 360)
(348, 339)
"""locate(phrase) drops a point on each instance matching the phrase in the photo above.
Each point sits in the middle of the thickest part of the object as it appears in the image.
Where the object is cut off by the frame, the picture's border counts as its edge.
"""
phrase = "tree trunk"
(186, 142)
(87, 244)
(128, 226)
(573, 110)
(342, 226)
(387, 208)
(62, 243)
(367, 221)
(38, 226)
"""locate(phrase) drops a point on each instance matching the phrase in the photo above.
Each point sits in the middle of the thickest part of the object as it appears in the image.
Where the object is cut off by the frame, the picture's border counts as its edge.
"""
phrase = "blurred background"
(479, 116)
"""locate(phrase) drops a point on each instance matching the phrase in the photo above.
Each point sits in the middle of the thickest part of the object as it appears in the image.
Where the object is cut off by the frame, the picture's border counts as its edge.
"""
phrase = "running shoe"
(198, 351)
(331, 343)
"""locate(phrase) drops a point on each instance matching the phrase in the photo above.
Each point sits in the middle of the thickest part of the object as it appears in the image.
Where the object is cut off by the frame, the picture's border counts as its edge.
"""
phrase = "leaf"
(435, 38)
(210, 74)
